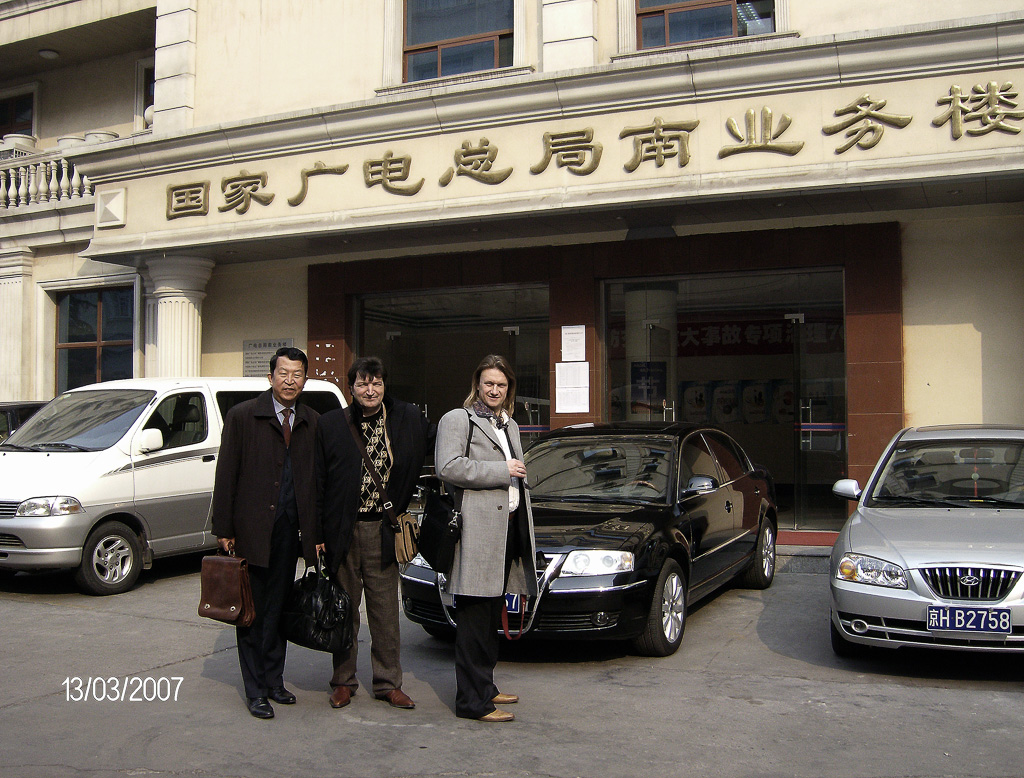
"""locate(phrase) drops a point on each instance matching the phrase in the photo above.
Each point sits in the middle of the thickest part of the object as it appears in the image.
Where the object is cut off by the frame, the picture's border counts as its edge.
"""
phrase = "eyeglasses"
(284, 375)
(371, 385)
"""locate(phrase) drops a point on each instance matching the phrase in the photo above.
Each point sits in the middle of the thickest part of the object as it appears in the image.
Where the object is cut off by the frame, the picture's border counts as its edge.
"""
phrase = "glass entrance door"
(819, 402)
(431, 342)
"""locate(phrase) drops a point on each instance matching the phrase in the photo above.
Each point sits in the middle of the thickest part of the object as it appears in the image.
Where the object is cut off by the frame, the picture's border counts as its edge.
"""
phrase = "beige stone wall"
(962, 317)
(251, 301)
(262, 57)
(837, 17)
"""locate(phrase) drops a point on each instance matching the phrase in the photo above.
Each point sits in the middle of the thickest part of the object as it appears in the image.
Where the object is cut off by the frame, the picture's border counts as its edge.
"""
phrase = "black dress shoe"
(260, 707)
(282, 695)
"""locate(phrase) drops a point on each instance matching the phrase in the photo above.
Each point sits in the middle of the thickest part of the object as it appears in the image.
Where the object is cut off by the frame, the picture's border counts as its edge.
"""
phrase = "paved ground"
(755, 691)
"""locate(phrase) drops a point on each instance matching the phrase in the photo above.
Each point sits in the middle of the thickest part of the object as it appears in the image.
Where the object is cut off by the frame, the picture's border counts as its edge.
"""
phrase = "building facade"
(798, 219)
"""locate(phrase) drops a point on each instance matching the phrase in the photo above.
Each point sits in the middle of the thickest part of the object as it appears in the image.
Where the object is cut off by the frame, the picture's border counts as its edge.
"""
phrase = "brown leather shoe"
(396, 698)
(341, 696)
(505, 699)
(498, 715)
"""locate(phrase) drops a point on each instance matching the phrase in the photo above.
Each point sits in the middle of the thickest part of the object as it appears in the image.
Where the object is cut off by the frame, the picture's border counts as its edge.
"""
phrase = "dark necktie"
(286, 426)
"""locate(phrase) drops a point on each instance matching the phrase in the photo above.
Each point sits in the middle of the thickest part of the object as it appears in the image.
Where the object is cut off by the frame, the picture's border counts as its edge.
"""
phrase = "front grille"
(904, 631)
(11, 541)
(572, 622)
(8, 509)
(970, 583)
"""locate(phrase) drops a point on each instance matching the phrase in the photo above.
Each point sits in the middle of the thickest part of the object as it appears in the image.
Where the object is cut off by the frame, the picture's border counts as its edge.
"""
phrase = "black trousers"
(477, 641)
(261, 649)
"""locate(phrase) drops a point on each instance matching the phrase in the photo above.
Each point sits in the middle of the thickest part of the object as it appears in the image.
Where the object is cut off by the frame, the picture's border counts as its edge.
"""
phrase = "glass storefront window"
(761, 355)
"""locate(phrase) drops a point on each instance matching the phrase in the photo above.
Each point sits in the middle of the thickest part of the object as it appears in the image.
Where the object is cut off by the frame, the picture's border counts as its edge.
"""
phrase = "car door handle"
(209, 458)
(728, 506)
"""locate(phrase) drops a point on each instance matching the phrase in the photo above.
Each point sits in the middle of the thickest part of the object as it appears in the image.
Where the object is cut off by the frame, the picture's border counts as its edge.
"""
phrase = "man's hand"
(227, 545)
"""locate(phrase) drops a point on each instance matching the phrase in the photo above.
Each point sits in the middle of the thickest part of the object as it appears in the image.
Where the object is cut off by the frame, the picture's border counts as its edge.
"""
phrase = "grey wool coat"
(479, 483)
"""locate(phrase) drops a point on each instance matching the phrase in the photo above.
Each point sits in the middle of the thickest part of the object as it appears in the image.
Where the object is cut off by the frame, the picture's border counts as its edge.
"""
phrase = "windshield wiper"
(912, 499)
(60, 445)
(15, 447)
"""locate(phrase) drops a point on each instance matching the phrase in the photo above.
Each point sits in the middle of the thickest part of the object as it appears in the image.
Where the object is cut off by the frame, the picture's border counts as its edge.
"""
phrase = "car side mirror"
(847, 488)
(148, 440)
(698, 484)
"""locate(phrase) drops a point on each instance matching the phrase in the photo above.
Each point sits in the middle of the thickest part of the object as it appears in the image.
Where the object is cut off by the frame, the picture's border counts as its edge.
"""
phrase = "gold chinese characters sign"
(670, 142)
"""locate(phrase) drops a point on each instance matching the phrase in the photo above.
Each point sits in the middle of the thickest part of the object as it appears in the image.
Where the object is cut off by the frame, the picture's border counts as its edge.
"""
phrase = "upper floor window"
(16, 114)
(94, 336)
(450, 37)
(665, 23)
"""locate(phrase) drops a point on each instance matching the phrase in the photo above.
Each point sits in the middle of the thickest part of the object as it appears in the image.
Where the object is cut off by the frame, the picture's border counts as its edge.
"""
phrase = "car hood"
(564, 525)
(25, 474)
(923, 537)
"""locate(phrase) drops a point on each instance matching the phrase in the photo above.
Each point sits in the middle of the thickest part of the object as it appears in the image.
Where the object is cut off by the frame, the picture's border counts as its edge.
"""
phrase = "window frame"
(13, 93)
(142, 83)
(99, 344)
(674, 6)
(448, 43)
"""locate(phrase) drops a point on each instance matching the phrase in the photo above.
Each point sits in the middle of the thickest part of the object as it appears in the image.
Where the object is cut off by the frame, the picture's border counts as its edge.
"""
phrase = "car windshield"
(82, 421)
(948, 472)
(609, 469)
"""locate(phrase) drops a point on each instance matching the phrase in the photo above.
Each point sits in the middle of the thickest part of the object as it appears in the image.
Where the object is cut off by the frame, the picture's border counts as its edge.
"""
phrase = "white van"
(107, 477)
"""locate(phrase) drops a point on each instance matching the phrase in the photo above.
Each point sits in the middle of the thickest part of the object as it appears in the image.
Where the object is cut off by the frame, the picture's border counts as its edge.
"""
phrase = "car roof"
(22, 404)
(963, 431)
(214, 382)
(624, 428)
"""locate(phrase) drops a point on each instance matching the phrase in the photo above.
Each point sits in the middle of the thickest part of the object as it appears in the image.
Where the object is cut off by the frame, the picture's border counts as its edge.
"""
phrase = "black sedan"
(634, 522)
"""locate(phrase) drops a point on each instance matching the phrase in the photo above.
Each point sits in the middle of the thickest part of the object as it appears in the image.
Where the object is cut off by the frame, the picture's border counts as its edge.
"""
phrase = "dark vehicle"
(634, 522)
(14, 414)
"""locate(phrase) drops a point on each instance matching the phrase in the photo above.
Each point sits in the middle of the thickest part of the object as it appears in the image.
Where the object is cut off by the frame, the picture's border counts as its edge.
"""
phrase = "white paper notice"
(572, 387)
(574, 343)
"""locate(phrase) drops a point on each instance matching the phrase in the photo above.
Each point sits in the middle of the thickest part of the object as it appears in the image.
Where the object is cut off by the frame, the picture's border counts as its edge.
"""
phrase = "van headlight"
(49, 506)
(596, 562)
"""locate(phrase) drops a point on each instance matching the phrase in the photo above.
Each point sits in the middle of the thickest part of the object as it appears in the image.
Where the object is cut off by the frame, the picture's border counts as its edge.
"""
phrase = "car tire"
(761, 572)
(666, 619)
(447, 634)
(111, 560)
(842, 647)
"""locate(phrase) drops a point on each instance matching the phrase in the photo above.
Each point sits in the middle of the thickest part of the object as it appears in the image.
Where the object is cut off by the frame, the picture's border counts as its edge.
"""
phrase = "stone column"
(569, 31)
(174, 67)
(178, 288)
(15, 316)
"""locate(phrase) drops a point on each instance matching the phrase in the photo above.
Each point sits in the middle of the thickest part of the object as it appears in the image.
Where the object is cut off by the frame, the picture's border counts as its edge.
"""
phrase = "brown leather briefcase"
(225, 592)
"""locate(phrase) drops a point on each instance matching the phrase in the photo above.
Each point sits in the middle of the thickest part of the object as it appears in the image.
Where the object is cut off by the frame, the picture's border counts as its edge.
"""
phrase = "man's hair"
(368, 367)
(294, 354)
(497, 362)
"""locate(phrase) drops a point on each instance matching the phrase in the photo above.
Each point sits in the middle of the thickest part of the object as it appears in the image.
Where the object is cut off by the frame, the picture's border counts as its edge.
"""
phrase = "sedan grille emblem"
(970, 580)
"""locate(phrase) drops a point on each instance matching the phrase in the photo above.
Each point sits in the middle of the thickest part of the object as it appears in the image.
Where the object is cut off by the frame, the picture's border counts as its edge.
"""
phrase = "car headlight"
(49, 506)
(595, 562)
(868, 570)
(419, 561)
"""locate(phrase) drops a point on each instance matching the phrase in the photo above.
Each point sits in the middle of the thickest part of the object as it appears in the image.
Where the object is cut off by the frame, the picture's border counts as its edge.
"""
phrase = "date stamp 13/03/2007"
(128, 688)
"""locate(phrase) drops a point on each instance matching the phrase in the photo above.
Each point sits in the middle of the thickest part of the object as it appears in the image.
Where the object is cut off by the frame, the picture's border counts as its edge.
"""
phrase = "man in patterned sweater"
(360, 541)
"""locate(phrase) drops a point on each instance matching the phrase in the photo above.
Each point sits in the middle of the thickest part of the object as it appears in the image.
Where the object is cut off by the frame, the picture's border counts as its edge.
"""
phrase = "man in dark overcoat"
(263, 495)
(357, 530)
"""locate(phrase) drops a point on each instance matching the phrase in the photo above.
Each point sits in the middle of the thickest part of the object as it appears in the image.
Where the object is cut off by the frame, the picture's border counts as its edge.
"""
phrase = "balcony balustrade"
(28, 179)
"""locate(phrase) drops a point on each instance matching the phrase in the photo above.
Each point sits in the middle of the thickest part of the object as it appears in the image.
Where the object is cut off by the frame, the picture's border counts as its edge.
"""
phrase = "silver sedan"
(934, 553)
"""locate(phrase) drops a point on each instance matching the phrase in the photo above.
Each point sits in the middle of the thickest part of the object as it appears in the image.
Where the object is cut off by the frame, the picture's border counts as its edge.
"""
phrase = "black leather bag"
(440, 531)
(318, 613)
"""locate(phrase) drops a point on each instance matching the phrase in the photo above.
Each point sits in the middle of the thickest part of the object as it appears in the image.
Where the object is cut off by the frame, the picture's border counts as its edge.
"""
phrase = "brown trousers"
(361, 575)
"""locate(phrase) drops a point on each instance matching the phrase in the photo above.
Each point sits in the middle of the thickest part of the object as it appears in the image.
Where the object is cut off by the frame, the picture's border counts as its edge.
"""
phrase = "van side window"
(181, 418)
(696, 459)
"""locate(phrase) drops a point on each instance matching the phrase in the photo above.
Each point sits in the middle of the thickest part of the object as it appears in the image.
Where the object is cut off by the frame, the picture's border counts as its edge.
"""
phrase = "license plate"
(958, 619)
(514, 603)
